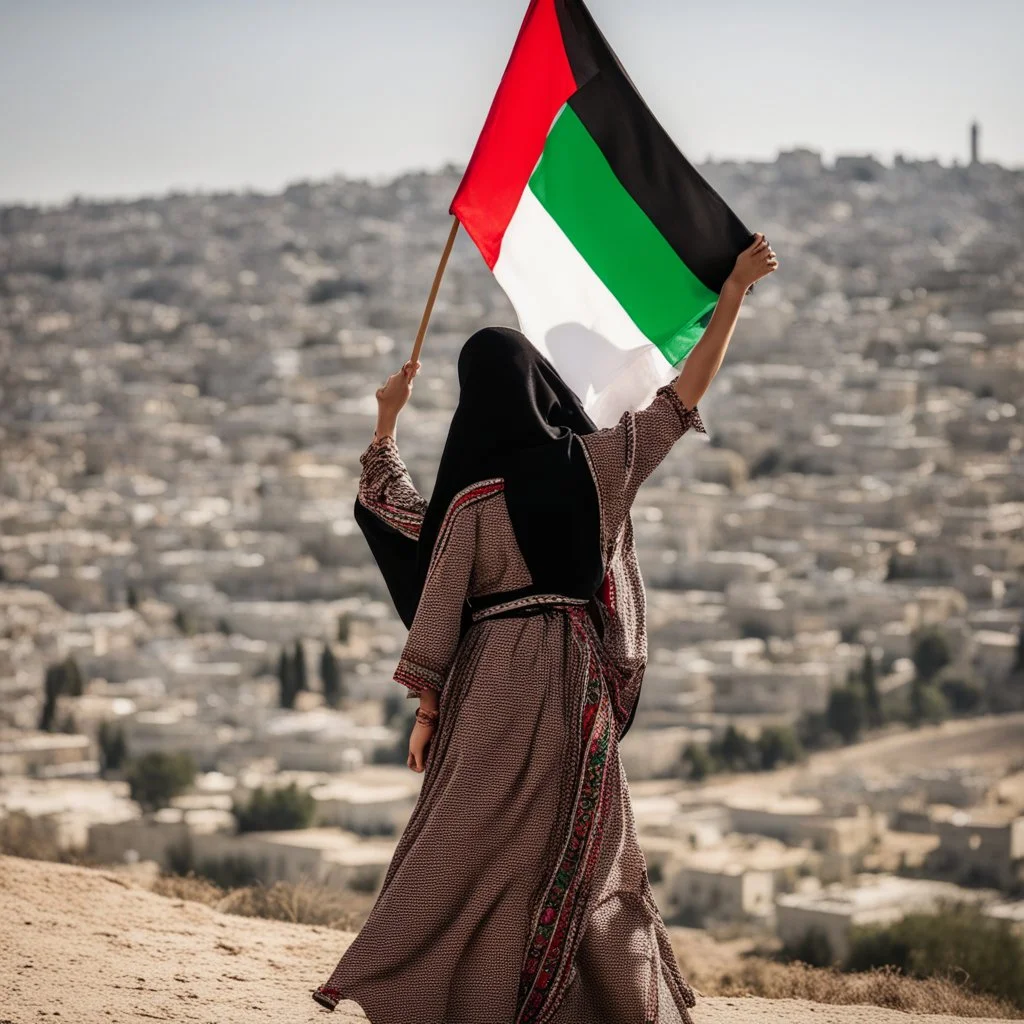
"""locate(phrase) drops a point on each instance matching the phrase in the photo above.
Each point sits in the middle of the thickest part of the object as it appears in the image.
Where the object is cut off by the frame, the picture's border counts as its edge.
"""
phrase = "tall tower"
(975, 142)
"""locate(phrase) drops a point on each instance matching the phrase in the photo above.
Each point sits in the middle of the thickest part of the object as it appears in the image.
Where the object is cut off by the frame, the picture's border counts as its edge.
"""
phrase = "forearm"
(429, 699)
(387, 424)
(706, 358)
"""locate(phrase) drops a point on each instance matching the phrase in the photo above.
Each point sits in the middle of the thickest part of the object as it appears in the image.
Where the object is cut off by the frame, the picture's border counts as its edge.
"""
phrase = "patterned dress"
(518, 893)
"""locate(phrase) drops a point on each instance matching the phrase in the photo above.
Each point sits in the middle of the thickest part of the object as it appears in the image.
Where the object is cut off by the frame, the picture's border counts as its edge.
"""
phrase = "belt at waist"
(508, 607)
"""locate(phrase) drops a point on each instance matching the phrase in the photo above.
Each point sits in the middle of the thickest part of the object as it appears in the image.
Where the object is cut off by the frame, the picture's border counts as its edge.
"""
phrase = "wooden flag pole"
(421, 334)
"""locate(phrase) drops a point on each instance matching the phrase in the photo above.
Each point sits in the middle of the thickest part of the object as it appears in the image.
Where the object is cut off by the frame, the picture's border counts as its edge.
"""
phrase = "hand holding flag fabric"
(755, 262)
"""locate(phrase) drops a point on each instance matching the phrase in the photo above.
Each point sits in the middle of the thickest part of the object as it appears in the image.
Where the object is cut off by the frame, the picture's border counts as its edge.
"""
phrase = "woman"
(518, 892)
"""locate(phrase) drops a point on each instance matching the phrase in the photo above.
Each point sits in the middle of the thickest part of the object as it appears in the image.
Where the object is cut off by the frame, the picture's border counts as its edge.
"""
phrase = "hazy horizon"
(118, 101)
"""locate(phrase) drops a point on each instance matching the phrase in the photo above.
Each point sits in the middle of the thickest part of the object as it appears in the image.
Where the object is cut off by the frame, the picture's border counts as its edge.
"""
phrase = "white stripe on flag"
(566, 310)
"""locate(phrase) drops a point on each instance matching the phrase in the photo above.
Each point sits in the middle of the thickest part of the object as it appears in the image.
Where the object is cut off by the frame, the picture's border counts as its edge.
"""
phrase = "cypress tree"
(872, 697)
(73, 683)
(846, 712)
(330, 677)
(53, 685)
(285, 681)
(113, 747)
(299, 667)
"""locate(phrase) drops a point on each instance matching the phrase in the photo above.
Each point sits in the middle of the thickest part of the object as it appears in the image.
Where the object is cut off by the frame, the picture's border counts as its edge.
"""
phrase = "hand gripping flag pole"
(421, 333)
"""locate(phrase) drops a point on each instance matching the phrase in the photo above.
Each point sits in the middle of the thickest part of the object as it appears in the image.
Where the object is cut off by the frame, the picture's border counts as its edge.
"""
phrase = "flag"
(609, 244)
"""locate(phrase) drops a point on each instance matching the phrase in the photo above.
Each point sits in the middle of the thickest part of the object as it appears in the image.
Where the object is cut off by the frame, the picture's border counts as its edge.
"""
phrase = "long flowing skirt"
(518, 893)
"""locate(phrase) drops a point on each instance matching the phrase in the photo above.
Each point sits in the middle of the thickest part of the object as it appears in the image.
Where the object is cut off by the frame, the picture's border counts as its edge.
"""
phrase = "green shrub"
(156, 779)
(813, 949)
(180, 859)
(778, 745)
(366, 881)
(736, 751)
(847, 712)
(698, 764)
(276, 810)
(927, 703)
(958, 942)
(232, 872)
(932, 652)
(963, 696)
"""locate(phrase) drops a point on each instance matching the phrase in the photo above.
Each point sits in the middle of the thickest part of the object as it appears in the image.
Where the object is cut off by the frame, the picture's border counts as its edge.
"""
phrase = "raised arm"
(385, 486)
(623, 456)
(705, 360)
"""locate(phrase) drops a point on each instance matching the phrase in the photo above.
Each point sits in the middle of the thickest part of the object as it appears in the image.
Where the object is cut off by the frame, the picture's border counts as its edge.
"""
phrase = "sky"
(105, 98)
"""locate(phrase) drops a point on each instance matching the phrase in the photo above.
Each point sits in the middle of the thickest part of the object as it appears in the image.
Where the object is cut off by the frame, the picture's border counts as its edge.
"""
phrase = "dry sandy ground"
(88, 947)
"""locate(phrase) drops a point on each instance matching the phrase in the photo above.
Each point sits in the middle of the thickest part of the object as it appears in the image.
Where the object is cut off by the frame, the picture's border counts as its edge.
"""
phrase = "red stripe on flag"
(537, 81)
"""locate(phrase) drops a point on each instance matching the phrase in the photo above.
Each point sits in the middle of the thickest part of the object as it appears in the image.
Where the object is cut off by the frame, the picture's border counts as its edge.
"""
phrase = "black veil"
(516, 420)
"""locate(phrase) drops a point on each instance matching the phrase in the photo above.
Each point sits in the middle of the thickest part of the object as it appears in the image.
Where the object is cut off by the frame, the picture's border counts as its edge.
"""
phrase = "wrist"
(386, 426)
(428, 699)
(427, 718)
(735, 288)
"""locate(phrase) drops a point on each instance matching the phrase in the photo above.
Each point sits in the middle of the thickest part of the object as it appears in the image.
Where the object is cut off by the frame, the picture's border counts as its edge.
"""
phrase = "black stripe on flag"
(692, 216)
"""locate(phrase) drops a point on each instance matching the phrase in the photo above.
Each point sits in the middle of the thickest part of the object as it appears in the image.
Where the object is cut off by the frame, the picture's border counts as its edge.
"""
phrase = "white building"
(65, 809)
(321, 856)
(872, 900)
(47, 755)
(371, 801)
(982, 846)
(712, 885)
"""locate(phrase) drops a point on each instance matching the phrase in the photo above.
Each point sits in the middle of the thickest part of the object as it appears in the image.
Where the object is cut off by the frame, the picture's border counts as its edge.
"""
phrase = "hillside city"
(196, 647)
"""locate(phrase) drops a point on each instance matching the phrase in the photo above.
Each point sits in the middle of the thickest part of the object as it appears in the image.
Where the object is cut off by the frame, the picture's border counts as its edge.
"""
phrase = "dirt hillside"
(90, 948)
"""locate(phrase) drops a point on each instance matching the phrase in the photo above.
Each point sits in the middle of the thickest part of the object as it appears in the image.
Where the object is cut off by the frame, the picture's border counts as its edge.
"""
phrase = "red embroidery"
(483, 491)
(615, 681)
(384, 473)
(327, 996)
(405, 522)
(549, 956)
(417, 677)
(460, 501)
(607, 592)
(475, 493)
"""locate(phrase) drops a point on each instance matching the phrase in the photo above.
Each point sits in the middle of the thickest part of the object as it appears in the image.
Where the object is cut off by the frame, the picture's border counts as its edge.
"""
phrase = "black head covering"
(516, 420)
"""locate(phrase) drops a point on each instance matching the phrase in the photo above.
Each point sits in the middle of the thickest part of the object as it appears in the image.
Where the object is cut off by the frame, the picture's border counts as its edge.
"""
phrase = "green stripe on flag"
(576, 185)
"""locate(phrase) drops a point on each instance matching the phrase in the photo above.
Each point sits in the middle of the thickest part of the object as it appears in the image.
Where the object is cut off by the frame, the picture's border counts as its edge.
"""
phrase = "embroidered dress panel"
(518, 891)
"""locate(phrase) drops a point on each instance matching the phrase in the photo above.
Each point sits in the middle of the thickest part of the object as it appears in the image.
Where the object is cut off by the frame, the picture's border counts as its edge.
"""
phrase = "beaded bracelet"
(427, 717)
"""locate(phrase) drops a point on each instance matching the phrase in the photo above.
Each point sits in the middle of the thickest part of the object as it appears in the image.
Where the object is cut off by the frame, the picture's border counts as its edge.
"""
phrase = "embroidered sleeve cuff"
(386, 447)
(689, 419)
(417, 677)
